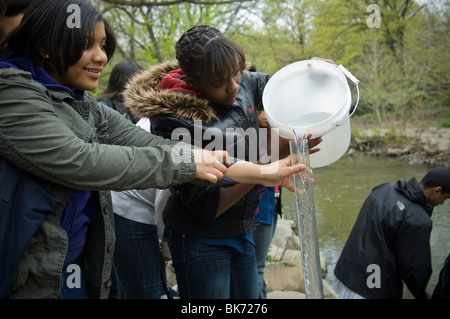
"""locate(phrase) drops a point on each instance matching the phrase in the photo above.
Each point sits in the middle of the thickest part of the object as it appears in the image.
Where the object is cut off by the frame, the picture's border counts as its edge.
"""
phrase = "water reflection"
(339, 192)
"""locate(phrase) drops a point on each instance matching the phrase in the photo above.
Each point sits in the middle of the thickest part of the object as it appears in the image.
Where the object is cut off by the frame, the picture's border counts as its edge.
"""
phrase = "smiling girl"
(61, 152)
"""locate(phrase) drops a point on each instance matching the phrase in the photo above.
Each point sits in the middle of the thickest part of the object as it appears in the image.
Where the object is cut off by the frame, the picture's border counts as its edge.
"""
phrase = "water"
(293, 97)
(339, 192)
(307, 225)
(310, 119)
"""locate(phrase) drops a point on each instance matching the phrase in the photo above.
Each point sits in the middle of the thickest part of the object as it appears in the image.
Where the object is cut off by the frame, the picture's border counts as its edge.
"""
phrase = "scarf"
(174, 82)
(21, 61)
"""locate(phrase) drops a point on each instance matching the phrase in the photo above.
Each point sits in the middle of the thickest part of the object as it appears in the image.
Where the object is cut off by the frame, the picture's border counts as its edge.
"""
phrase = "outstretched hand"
(280, 173)
(209, 166)
(312, 143)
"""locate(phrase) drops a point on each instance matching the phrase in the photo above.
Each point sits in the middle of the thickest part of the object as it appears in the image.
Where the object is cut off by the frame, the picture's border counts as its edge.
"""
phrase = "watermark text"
(374, 19)
(74, 19)
(374, 279)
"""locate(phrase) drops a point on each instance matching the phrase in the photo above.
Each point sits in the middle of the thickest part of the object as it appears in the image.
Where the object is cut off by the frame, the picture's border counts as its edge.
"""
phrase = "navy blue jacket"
(21, 213)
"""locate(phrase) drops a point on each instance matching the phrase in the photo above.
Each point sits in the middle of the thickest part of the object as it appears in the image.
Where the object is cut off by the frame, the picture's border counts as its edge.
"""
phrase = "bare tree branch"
(145, 3)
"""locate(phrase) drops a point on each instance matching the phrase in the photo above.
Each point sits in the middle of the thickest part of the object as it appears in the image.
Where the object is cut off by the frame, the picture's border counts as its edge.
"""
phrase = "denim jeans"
(262, 236)
(137, 262)
(206, 271)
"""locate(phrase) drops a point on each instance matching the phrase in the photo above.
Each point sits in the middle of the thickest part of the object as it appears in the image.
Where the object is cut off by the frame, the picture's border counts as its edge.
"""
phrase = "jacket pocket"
(24, 205)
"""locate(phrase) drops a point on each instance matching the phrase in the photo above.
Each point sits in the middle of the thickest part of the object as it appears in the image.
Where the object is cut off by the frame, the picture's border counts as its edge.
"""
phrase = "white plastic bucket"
(312, 97)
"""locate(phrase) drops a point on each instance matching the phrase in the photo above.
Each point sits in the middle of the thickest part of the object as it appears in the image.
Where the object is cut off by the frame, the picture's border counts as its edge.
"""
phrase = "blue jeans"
(262, 236)
(213, 272)
(137, 262)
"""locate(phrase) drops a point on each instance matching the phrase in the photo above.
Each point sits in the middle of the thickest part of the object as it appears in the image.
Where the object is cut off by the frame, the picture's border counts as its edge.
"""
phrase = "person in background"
(136, 272)
(112, 97)
(118, 79)
(139, 262)
(61, 152)
(11, 13)
(389, 243)
(266, 217)
(207, 90)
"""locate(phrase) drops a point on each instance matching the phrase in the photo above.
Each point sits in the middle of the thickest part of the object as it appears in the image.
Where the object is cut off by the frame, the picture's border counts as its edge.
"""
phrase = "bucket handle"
(356, 82)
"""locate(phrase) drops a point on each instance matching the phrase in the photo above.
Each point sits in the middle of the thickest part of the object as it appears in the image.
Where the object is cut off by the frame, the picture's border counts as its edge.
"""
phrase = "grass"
(446, 121)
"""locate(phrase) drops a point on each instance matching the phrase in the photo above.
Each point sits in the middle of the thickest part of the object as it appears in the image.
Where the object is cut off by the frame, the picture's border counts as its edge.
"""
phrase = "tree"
(147, 30)
(403, 64)
(384, 59)
(278, 34)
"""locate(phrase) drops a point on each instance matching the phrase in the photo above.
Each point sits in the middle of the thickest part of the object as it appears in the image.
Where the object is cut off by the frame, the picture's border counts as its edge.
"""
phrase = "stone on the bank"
(284, 275)
(285, 295)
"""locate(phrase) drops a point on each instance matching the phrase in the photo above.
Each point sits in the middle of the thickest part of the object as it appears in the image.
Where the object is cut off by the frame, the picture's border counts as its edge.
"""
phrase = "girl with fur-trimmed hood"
(208, 99)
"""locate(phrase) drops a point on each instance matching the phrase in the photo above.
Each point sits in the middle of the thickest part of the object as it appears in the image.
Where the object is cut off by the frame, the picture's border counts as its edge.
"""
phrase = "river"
(339, 192)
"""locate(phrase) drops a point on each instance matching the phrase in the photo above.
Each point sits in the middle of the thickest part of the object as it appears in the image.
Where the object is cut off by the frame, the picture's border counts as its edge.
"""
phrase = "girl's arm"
(274, 174)
(249, 174)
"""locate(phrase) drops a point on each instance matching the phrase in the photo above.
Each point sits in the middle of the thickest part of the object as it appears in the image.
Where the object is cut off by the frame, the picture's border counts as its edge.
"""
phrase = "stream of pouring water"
(306, 219)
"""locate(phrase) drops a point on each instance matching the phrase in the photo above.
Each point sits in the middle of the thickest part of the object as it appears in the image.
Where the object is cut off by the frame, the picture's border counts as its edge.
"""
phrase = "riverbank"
(416, 142)
(283, 273)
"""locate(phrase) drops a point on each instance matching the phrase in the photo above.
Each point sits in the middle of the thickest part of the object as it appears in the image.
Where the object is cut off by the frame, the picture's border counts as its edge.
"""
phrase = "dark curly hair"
(203, 51)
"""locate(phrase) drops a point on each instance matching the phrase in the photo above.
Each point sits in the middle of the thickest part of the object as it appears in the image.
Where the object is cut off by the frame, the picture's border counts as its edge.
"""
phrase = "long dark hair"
(203, 51)
(120, 75)
(11, 8)
(45, 28)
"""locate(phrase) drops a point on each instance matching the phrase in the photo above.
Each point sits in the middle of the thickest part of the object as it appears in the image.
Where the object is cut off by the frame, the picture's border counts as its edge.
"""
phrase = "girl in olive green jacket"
(74, 150)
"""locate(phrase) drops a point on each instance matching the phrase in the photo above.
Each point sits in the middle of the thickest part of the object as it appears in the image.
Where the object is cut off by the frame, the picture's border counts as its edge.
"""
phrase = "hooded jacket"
(180, 114)
(61, 138)
(389, 244)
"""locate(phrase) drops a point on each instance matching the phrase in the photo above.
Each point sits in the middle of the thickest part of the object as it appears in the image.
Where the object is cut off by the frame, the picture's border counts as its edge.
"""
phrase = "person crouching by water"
(389, 243)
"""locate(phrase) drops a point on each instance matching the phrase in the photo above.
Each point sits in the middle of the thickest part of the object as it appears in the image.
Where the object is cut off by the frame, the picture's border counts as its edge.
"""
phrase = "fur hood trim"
(142, 98)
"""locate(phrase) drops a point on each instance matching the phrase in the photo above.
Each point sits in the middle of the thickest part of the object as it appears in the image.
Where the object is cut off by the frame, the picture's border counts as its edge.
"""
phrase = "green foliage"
(445, 122)
(281, 35)
(403, 65)
(394, 136)
(269, 259)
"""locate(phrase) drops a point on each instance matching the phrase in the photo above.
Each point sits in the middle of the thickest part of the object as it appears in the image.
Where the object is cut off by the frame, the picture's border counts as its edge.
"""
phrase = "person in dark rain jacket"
(389, 243)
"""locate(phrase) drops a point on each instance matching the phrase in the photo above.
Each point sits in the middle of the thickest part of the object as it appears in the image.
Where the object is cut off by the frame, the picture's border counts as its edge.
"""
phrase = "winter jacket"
(442, 289)
(191, 209)
(68, 141)
(389, 244)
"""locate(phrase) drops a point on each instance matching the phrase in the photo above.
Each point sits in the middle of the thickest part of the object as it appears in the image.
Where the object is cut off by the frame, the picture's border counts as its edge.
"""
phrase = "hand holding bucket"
(312, 97)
